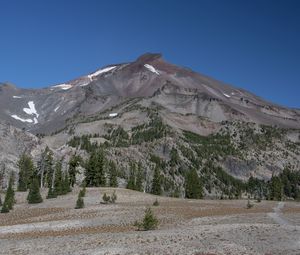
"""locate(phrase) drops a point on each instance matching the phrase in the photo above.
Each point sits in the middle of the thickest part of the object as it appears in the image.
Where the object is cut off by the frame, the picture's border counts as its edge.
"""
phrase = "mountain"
(178, 89)
(158, 114)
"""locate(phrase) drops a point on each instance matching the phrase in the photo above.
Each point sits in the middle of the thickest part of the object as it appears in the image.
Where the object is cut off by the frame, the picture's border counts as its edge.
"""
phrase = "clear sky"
(250, 44)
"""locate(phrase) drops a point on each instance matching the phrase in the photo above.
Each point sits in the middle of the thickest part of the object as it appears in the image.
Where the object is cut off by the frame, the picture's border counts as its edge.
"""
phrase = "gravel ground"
(186, 226)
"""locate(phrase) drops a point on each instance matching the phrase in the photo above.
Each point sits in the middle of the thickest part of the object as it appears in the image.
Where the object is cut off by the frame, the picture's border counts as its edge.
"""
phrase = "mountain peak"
(149, 57)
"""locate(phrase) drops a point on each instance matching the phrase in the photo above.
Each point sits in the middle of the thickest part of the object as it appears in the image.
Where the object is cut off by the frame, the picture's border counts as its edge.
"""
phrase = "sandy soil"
(186, 226)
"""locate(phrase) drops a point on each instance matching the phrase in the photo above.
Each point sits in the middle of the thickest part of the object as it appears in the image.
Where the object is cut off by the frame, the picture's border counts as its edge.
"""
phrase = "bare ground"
(186, 226)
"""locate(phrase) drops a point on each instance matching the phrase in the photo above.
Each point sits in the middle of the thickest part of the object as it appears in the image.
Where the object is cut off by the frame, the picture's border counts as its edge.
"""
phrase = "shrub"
(79, 202)
(249, 205)
(156, 203)
(82, 192)
(34, 195)
(150, 222)
(4, 208)
(51, 193)
(113, 198)
(106, 198)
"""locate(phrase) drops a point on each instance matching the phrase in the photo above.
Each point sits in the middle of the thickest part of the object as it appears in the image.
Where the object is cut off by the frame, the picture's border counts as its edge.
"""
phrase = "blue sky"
(250, 44)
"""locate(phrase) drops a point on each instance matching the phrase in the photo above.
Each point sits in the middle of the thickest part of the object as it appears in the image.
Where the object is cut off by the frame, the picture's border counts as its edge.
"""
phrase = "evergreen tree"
(51, 193)
(26, 169)
(73, 164)
(95, 174)
(131, 180)
(58, 181)
(193, 186)
(276, 188)
(156, 182)
(139, 178)
(66, 184)
(45, 167)
(113, 182)
(34, 195)
(79, 202)
(150, 222)
(4, 208)
(9, 200)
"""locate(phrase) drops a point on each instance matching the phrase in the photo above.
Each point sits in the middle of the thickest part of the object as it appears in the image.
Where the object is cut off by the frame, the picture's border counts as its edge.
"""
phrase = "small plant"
(258, 200)
(113, 198)
(249, 205)
(106, 198)
(156, 203)
(79, 202)
(34, 195)
(4, 208)
(109, 199)
(82, 192)
(150, 222)
(51, 193)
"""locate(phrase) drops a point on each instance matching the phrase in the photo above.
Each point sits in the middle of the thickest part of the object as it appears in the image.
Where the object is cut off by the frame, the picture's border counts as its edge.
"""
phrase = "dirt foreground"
(199, 227)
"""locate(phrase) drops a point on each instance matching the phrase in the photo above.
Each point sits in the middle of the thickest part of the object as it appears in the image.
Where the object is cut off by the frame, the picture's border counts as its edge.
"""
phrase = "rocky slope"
(156, 113)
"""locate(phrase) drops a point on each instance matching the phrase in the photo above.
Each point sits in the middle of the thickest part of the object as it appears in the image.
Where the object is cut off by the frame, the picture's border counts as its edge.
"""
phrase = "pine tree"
(79, 202)
(150, 222)
(139, 178)
(95, 174)
(193, 186)
(9, 200)
(45, 167)
(276, 188)
(73, 164)
(131, 180)
(113, 182)
(26, 169)
(58, 180)
(51, 193)
(4, 208)
(34, 195)
(156, 182)
(66, 184)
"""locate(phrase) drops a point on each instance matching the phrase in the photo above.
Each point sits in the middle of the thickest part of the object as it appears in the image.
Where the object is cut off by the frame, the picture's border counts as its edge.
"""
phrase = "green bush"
(106, 198)
(150, 222)
(34, 196)
(79, 202)
(156, 203)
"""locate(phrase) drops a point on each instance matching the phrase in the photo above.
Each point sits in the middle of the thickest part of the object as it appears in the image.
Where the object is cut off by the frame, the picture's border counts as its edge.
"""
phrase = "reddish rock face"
(150, 77)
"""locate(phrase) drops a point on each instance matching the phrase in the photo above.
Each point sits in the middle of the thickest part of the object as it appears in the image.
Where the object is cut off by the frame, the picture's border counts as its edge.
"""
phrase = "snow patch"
(56, 108)
(16, 97)
(31, 110)
(104, 70)
(35, 121)
(113, 115)
(63, 86)
(151, 68)
(23, 120)
(226, 95)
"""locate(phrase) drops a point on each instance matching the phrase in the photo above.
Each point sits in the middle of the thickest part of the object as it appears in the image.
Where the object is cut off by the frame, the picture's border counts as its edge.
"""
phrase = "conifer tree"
(113, 182)
(139, 178)
(95, 174)
(51, 193)
(80, 201)
(9, 200)
(34, 195)
(26, 169)
(73, 164)
(45, 167)
(276, 188)
(193, 186)
(66, 184)
(131, 180)
(58, 182)
(156, 182)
